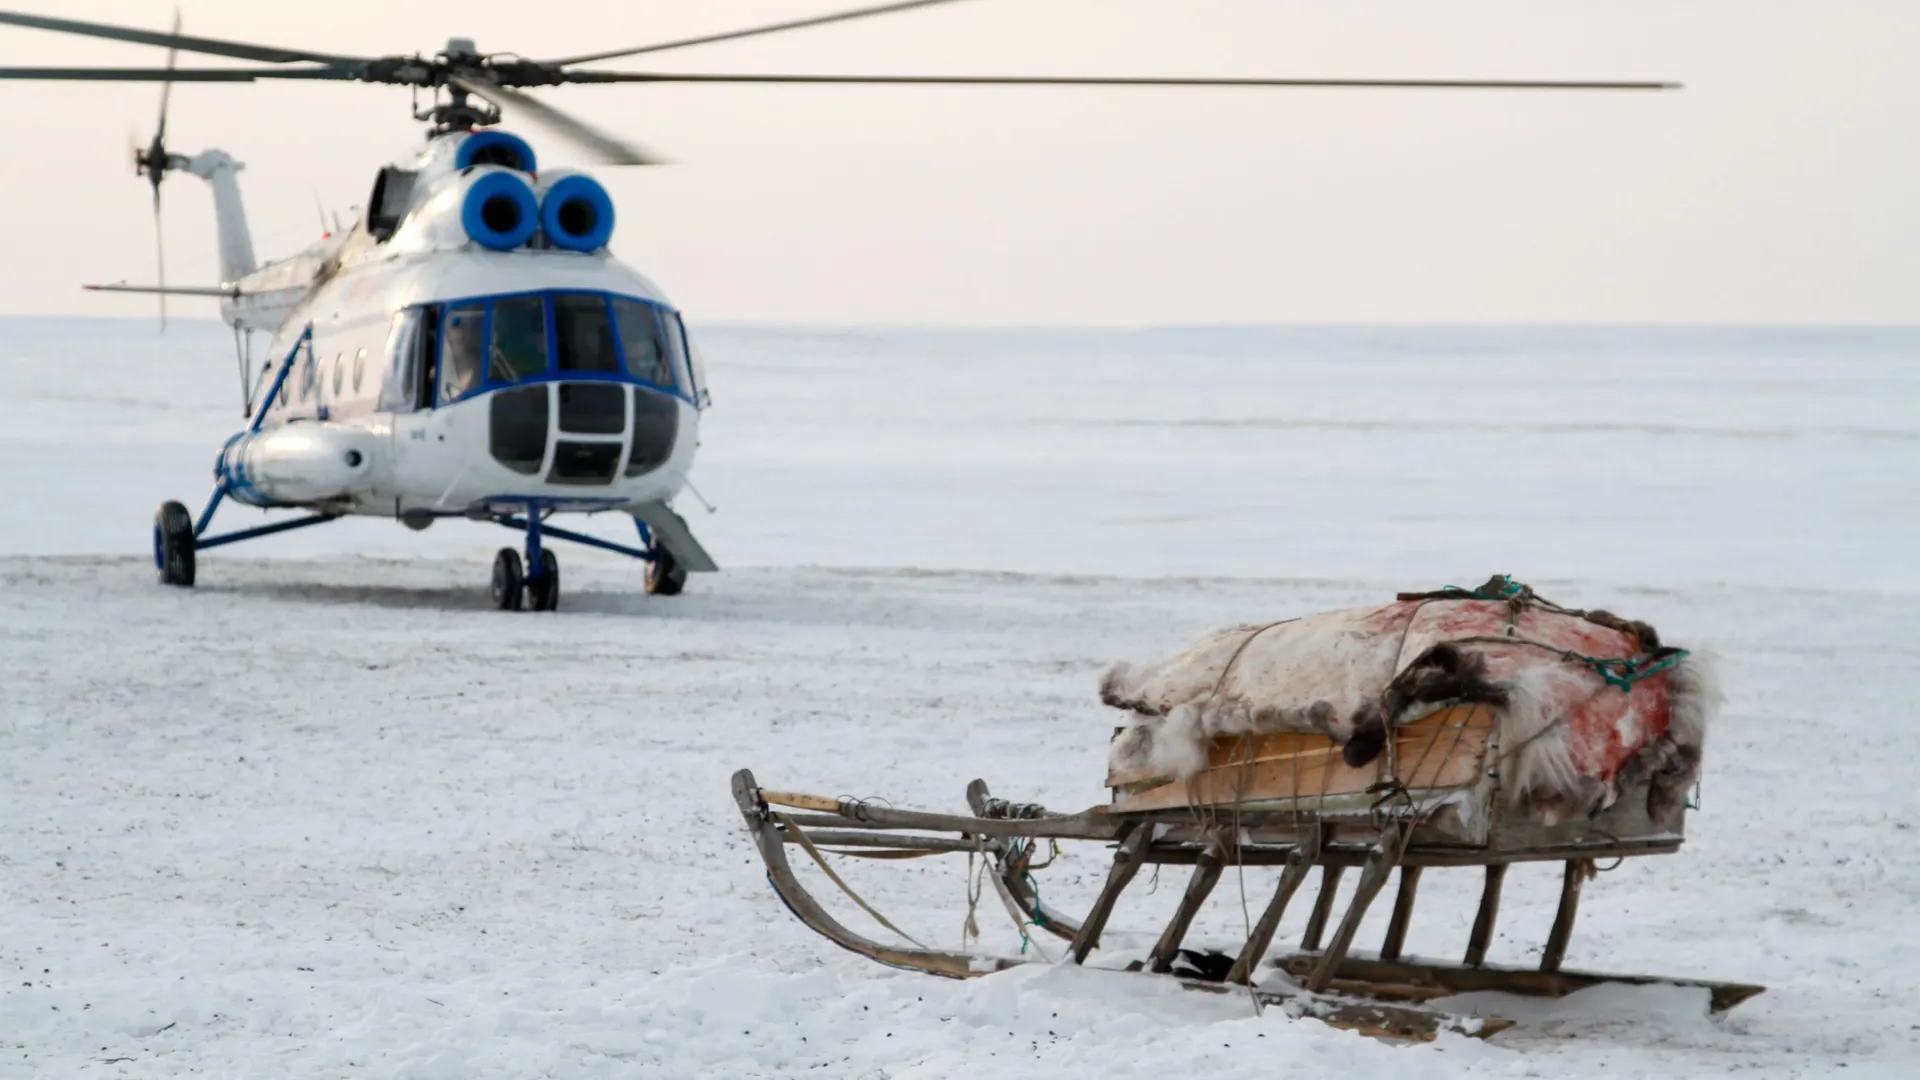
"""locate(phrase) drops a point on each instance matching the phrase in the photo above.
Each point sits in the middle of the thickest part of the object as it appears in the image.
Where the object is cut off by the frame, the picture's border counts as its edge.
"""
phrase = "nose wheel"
(509, 582)
(543, 589)
(534, 584)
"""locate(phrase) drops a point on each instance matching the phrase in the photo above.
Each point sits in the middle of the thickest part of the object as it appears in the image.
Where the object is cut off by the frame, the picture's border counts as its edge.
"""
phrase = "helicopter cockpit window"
(676, 348)
(583, 334)
(519, 347)
(640, 340)
(462, 340)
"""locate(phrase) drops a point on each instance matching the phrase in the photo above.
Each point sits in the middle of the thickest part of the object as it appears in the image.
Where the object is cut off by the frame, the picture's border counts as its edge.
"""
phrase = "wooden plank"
(1483, 920)
(1449, 856)
(1231, 750)
(1206, 874)
(801, 801)
(1126, 863)
(1380, 864)
(1431, 754)
(1413, 981)
(1094, 824)
(1330, 874)
(1299, 861)
(1402, 913)
(856, 838)
(1577, 873)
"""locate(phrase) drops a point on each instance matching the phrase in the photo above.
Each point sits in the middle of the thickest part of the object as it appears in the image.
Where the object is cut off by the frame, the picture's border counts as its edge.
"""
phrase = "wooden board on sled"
(1458, 728)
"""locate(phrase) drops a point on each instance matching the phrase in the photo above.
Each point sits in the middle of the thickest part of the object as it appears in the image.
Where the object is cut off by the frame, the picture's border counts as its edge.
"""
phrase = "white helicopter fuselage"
(418, 371)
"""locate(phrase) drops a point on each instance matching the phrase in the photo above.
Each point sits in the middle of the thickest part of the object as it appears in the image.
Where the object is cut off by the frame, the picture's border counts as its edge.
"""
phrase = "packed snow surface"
(327, 814)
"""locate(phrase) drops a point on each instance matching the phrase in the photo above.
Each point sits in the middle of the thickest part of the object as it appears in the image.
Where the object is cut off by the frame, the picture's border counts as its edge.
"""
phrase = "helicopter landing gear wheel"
(543, 589)
(508, 581)
(664, 575)
(173, 544)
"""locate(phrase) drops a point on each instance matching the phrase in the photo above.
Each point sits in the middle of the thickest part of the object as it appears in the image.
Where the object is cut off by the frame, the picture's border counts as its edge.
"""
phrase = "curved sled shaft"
(772, 845)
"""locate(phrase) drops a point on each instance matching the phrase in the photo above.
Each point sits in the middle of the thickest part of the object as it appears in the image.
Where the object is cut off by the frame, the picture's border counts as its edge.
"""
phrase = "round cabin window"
(359, 368)
(339, 372)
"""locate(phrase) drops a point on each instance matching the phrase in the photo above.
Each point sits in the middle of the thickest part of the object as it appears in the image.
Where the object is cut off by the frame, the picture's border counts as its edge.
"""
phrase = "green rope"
(1623, 673)
(1503, 586)
(1039, 918)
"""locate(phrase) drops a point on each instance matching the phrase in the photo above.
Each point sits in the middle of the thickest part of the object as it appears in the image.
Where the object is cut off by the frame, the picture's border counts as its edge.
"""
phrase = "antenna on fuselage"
(710, 508)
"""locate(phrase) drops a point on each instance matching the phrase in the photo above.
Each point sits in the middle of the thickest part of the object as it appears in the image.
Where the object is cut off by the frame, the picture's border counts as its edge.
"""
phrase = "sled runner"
(1460, 728)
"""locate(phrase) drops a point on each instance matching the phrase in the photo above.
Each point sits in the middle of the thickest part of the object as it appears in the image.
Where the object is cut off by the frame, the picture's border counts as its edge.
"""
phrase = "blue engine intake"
(577, 214)
(495, 148)
(500, 211)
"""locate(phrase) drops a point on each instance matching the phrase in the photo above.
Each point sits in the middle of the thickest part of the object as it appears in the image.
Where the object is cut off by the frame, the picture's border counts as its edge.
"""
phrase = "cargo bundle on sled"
(1458, 728)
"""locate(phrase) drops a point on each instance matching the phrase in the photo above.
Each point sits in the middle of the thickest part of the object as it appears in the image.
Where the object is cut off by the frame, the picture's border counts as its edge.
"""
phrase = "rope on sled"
(1621, 672)
(1624, 672)
(806, 843)
(1499, 587)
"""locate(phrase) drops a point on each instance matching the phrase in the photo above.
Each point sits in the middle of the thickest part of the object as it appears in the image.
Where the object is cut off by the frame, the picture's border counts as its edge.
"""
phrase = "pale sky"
(1782, 185)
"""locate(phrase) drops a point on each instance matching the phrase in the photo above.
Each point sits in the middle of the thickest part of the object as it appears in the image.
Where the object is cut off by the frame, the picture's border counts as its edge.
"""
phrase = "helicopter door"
(399, 389)
(429, 358)
(419, 433)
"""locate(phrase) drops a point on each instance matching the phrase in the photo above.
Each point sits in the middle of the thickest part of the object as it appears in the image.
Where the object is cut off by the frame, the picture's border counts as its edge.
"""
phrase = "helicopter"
(470, 348)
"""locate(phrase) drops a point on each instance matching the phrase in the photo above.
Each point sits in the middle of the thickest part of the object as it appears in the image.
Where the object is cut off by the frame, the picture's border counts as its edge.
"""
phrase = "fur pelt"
(1356, 675)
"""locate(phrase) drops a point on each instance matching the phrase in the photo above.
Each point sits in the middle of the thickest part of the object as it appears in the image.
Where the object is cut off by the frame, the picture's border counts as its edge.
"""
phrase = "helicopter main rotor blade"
(122, 74)
(166, 88)
(1079, 80)
(756, 31)
(607, 148)
(238, 50)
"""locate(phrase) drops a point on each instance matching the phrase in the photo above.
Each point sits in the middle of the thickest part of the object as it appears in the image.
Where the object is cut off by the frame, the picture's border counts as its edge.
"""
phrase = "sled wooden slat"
(800, 801)
(1330, 874)
(1433, 980)
(1577, 873)
(1483, 920)
(1206, 874)
(854, 838)
(1380, 865)
(1299, 863)
(1088, 825)
(1402, 913)
(1126, 863)
(1347, 855)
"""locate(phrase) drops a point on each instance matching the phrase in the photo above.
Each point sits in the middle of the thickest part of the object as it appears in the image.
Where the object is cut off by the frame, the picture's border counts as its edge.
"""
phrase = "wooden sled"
(1275, 800)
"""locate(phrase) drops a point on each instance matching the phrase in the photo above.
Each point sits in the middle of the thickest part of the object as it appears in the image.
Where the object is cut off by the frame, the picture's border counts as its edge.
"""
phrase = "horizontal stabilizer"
(230, 292)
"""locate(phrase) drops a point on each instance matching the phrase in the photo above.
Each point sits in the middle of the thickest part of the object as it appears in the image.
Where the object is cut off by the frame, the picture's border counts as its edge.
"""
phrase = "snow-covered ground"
(327, 814)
